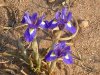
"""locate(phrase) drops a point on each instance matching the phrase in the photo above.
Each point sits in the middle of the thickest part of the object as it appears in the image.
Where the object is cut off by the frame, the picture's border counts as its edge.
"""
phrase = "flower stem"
(36, 54)
(52, 67)
(53, 64)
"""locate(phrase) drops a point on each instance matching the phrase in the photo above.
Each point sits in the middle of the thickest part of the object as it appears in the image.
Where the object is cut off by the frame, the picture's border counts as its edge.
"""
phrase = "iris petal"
(48, 25)
(29, 34)
(42, 25)
(69, 16)
(34, 17)
(50, 56)
(59, 49)
(63, 13)
(68, 59)
(52, 24)
(65, 50)
(57, 15)
(39, 21)
(70, 28)
(28, 18)
(23, 19)
(60, 45)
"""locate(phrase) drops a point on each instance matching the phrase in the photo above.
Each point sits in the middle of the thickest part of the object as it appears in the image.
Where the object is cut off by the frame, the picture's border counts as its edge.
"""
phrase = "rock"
(63, 3)
(84, 24)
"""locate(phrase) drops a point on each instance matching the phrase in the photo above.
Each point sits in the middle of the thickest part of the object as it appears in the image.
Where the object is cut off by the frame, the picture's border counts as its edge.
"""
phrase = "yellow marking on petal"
(69, 24)
(54, 22)
(31, 30)
(52, 55)
(67, 57)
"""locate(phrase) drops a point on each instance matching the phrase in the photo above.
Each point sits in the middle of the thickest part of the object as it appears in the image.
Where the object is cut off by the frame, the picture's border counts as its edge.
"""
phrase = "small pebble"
(84, 24)
(63, 3)
(51, 1)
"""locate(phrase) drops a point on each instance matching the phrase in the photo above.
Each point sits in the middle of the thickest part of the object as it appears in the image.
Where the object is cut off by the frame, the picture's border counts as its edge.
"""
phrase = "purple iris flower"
(60, 51)
(64, 20)
(33, 23)
(48, 24)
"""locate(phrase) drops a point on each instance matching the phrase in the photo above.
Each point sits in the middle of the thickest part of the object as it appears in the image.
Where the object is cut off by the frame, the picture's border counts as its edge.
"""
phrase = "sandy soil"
(86, 44)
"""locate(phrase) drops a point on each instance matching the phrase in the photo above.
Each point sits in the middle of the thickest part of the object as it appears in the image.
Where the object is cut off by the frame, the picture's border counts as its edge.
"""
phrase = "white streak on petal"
(31, 31)
(69, 24)
(28, 19)
(67, 57)
(63, 17)
(54, 22)
(52, 55)
(42, 23)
